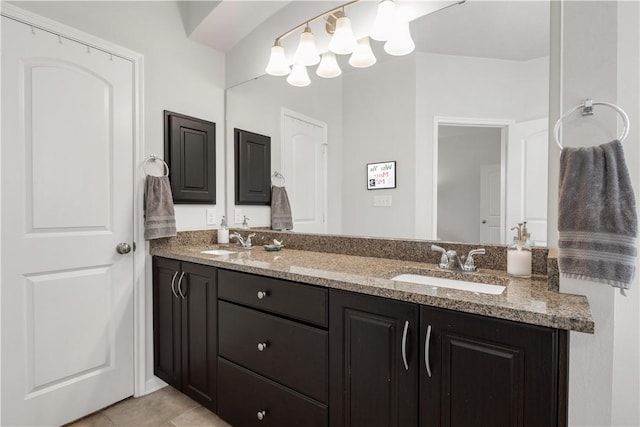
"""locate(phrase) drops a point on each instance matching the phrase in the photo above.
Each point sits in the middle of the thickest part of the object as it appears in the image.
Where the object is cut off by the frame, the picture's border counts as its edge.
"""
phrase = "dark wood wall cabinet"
(252, 168)
(190, 152)
(291, 354)
(185, 328)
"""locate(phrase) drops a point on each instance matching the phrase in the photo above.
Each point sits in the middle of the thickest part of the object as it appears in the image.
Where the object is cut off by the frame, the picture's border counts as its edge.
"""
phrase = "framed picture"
(381, 175)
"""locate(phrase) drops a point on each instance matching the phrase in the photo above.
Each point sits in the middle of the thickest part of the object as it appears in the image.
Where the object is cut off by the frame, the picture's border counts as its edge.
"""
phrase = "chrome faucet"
(245, 243)
(451, 261)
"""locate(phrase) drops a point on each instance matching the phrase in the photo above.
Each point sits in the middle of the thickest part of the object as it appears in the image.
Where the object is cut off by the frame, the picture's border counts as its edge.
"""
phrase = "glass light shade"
(400, 41)
(306, 54)
(328, 67)
(343, 41)
(299, 76)
(363, 56)
(277, 65)
(383, 24)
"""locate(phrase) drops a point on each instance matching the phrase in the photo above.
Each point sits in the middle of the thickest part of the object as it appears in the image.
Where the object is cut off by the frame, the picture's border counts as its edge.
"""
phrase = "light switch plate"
(382, 201)
(239, 216)
(211, 216)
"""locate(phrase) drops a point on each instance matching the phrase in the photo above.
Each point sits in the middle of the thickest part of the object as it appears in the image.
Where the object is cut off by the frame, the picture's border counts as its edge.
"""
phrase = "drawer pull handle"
(404, 345)
(261, 415)
(263, 294)
(262, 346)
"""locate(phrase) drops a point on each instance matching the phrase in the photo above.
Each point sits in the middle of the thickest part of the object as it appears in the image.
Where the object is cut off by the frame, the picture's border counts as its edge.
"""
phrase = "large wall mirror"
(464, 118)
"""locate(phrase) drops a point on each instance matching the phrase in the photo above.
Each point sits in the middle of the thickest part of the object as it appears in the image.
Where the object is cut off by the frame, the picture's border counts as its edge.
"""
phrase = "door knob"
(484, 221)
(123, 248)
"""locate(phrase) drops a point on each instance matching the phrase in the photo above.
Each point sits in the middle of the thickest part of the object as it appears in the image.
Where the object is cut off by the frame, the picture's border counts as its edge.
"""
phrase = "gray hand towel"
(280, 209)
(597, 220)
(159, 215)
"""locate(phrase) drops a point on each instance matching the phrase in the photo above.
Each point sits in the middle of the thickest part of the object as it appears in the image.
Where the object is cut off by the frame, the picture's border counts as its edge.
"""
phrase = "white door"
(490, 200)
(304, 165)
(67, 201)
(527, 167)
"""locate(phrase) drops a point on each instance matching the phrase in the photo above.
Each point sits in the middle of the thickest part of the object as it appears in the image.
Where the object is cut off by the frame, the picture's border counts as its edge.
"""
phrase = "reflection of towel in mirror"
(597, 220)
(280, 209)
(159, 215)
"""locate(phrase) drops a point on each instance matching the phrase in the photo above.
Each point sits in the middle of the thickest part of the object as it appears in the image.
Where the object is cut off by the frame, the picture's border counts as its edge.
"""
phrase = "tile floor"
(166, 407)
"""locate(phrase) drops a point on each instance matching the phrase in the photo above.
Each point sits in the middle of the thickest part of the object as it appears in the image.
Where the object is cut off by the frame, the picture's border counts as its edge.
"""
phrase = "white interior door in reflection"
(304, 165)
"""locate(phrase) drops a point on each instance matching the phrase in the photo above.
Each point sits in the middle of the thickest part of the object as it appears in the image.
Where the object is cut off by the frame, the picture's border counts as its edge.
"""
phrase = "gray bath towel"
(159, 216)
(597, 220)
(280, 209)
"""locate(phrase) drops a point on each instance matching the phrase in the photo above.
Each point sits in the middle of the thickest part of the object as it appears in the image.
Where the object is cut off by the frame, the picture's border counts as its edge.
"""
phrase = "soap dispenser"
(223, 232)
(519, 253)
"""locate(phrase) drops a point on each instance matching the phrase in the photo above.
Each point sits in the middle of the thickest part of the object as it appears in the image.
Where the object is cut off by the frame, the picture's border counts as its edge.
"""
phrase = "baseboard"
(153, 384)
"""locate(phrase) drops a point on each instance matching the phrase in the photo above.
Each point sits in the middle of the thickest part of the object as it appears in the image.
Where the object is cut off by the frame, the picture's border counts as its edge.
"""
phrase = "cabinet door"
(198, 291)
(488, 372)
(253, 168)
(166, 321)
(373, 361)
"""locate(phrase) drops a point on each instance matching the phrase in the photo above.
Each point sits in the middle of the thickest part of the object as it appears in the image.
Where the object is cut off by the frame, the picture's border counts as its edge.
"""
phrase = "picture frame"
(381, 175)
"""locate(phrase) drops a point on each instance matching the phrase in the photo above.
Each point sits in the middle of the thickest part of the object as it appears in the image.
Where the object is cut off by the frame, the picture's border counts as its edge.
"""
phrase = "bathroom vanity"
(307, 338)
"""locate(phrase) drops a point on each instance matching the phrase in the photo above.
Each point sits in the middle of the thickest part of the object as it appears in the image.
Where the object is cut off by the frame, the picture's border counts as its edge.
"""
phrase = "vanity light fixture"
(363, 56)
(343, 41)
(278, 65)
(306, 54)
(400, 41)
(388, 27)
(299, 76)
(328, 67)
(383, 24)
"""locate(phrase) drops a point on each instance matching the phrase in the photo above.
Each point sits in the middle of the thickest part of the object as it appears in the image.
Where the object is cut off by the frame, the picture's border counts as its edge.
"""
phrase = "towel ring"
(153, 158)
(278, 175)
(587, 110)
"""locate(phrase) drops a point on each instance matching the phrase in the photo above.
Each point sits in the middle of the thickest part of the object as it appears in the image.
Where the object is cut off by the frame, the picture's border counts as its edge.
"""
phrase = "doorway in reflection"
(470, 190)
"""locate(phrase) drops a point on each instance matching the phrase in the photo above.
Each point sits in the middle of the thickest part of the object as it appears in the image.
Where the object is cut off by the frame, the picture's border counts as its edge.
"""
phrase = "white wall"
(461, 152)
(256, 106)
(599, 59)
(179, 75)
(379, 126)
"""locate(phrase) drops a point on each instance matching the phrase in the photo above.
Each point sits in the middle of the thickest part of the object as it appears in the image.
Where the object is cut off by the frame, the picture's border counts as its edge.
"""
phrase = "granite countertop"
(523, 300)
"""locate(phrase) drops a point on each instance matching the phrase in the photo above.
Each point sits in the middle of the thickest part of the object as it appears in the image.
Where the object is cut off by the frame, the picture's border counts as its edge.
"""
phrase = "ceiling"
(512, 30)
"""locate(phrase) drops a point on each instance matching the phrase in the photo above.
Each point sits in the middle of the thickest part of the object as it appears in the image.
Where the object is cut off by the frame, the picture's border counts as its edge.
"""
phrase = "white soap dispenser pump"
(519, 253)
(223, 232)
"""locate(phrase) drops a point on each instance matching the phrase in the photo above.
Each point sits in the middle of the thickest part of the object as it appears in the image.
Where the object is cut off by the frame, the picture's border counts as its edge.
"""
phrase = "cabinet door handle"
(262, 346)
(263, 294)
(404, 345)
(173, 284)
(427, 340)
(261, 415)
(180, 285)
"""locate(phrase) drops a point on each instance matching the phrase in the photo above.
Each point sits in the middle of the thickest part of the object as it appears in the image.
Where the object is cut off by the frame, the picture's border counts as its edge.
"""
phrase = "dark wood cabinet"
(263, 342)
(190, 152)
(273, 351)
(373, 361)
(483, 371)
(185, 328)
(252, 168)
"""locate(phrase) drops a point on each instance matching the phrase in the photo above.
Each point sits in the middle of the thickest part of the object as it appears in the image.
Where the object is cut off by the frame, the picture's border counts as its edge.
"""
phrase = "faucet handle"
(469, 264)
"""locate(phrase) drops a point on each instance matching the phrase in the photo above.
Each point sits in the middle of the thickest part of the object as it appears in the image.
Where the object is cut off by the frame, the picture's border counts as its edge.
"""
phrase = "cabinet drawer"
(303, 302)
(244, 394)
(295, 355)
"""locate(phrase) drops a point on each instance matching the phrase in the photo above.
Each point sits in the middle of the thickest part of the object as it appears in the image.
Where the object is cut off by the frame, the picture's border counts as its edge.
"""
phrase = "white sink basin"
(217, 252)
(440, 282)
